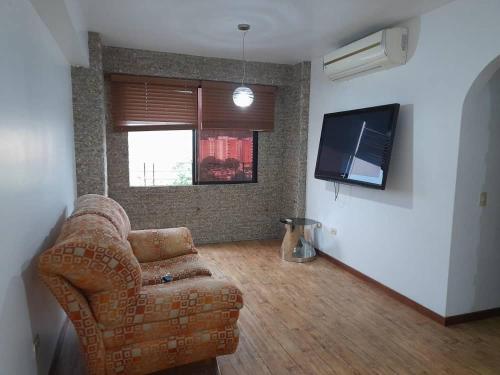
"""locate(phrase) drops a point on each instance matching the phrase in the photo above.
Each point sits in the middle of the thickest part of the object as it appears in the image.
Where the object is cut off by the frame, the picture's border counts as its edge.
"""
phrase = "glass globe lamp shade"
(243, 96)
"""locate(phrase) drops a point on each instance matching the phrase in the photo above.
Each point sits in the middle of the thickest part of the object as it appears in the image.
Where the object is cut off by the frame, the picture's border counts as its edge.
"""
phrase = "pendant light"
(243, 95)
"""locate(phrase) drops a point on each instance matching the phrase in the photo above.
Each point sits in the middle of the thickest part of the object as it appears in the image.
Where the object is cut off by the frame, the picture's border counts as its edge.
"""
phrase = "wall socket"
(332, 231)
(36, 346)
(483, 199)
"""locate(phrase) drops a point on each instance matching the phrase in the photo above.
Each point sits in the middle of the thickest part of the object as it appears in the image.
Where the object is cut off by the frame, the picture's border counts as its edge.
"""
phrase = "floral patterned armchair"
(108, 280)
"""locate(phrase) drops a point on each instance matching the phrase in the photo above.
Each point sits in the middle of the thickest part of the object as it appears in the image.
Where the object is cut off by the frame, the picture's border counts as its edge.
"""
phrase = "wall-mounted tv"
(355, 146)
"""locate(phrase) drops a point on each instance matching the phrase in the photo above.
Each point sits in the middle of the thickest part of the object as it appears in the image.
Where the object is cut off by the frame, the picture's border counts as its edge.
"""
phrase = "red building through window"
(225, 156)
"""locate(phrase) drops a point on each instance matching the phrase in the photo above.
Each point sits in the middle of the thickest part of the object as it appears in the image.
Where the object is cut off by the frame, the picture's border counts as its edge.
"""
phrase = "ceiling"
(283, 31)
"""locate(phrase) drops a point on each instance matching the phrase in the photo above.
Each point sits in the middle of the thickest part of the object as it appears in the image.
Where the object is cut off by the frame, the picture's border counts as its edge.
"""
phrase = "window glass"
(160, 158)
(226, 156)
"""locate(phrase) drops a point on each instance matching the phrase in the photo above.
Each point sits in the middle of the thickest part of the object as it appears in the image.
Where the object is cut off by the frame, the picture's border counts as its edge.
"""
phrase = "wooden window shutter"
(141, 103)
(219, 111)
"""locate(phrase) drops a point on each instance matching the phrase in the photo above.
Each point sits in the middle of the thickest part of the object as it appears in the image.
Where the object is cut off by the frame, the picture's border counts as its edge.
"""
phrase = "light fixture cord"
(244, 60)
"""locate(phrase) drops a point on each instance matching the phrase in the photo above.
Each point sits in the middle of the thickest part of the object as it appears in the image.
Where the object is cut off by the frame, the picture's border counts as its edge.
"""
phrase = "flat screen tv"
(355, 146)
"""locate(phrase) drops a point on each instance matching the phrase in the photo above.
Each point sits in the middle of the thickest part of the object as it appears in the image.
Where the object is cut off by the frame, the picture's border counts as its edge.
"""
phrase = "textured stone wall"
(89, 122)
(295, 139)
(217, 213)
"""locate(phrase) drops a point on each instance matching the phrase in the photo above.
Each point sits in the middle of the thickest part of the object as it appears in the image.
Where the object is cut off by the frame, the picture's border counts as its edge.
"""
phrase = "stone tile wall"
(89, 122)
(217, 213)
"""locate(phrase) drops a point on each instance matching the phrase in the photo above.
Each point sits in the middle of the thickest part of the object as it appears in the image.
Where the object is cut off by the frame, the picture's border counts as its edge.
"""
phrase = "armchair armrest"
(184, 298)
(151, 245)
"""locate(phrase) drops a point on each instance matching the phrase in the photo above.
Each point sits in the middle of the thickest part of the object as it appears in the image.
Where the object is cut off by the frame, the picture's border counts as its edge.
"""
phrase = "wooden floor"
(315, 318)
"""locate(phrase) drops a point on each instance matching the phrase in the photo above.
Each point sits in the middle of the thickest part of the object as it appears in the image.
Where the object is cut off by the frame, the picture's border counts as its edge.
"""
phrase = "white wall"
(402, 236)
(67, 21)
(37, 182)
(474, 282)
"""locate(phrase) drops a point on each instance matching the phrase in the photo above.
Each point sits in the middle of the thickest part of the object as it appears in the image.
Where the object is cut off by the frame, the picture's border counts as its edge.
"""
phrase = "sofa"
(108, 279)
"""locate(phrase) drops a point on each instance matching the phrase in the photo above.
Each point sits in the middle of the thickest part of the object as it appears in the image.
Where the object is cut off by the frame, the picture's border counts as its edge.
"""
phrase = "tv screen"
(355, 146)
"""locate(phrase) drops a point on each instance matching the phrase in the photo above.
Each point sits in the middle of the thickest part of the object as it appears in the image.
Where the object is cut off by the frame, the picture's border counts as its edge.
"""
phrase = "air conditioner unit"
(382, 50)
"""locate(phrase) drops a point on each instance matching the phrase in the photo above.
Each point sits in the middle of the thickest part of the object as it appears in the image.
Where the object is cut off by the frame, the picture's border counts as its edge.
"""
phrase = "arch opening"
(474, 274)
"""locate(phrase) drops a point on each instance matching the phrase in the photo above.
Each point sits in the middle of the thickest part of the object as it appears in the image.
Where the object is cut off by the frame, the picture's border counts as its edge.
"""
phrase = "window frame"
(267, 94)
(194, 167)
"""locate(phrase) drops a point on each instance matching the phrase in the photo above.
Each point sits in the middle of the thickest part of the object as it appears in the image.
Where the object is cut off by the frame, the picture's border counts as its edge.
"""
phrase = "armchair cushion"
(181, 267)
(158, 244)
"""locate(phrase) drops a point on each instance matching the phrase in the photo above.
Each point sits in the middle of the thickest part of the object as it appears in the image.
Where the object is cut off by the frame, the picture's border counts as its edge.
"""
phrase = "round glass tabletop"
(299, 221)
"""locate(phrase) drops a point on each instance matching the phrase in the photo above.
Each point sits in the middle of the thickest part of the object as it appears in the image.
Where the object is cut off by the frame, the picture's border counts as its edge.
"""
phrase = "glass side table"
(298, 243)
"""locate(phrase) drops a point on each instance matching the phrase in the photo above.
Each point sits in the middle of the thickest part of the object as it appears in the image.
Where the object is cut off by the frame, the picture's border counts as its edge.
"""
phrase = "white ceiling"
(284, 31)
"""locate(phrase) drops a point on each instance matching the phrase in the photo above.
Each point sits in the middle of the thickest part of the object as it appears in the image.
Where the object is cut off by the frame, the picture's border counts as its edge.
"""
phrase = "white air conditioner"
(382, 50)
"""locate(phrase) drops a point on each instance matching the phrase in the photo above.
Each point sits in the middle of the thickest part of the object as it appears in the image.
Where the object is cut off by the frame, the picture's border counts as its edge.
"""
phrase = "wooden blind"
(219, 111)
(151, 103)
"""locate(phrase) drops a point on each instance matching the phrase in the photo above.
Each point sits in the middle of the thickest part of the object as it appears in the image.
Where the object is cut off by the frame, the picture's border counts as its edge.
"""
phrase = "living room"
(173, 199)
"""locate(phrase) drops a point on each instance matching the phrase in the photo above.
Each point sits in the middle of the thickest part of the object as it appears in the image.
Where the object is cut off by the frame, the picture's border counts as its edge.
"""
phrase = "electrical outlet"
(333, 231)
(36, 345)
(483, 199)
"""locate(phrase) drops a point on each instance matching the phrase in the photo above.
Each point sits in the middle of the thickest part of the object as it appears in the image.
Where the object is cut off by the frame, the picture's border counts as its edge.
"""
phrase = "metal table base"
(298, 243)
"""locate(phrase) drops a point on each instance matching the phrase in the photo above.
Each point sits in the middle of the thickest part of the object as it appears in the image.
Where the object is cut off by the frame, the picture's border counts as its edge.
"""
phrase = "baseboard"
(58, 349)
(470, 317)
(391, 292)
(445, 321)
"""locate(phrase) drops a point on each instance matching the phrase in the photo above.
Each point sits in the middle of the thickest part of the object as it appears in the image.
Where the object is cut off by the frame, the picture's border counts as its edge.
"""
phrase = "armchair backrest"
(93, 255)
(93, 272)
(105, 207)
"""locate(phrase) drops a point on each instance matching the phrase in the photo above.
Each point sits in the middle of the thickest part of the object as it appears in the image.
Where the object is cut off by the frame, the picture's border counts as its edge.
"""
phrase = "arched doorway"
(474, 276)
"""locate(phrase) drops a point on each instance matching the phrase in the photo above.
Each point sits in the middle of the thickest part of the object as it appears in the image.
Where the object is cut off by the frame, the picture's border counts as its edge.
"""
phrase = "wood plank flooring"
(316, 318)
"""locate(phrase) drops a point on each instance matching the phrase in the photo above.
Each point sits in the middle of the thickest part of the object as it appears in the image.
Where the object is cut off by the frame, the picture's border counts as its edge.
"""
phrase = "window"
(166, 158)
(188, 132)
(160, 158)
(227, 156)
